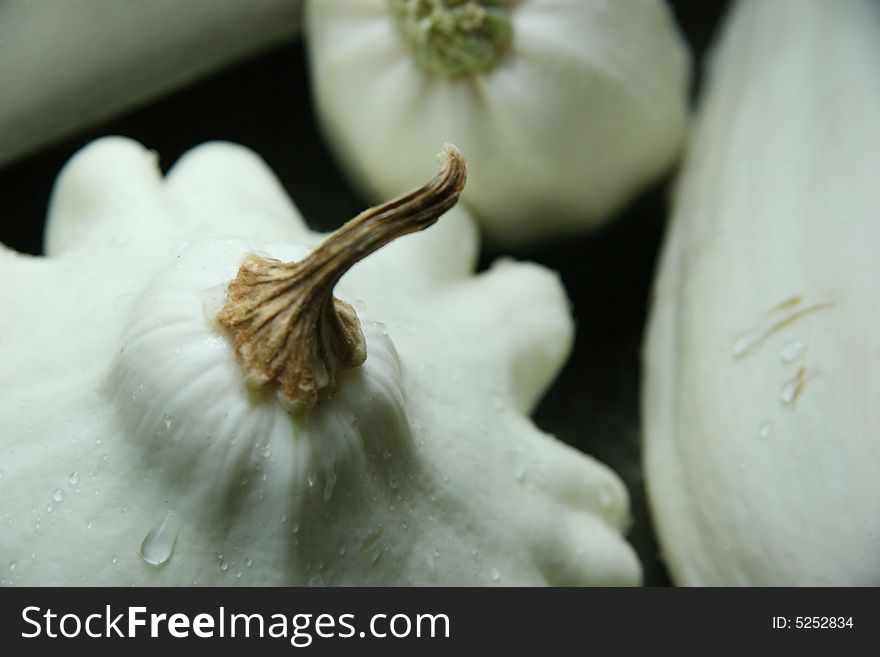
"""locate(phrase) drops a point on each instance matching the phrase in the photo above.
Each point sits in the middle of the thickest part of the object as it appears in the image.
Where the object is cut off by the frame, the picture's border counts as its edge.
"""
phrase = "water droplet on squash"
(248, 561)
(792, 350)
(212, 300)
(58, 495)
(159, 542)
(495, 575)
(789, 390)
(765, 429)
(167, 421)
(329, 484)
(316, 581)
(13, 564)
(744, 342)
(224, 565)
(73, 478)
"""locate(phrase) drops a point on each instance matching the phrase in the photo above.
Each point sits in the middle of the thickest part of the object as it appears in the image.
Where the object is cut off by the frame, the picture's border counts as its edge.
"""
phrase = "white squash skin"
(68, 65)
(775, 201)
(422, 469)
(588, 106)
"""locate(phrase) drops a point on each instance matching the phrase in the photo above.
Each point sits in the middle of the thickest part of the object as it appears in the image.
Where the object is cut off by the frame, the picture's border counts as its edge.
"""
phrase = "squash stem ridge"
(288, 329)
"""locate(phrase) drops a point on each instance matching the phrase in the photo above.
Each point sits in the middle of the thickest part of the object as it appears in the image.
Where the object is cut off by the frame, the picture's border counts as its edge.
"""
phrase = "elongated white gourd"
(66, 65)
(761, 413)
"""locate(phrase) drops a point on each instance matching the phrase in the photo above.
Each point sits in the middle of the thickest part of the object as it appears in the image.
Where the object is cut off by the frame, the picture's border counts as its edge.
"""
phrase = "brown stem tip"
(289, 331)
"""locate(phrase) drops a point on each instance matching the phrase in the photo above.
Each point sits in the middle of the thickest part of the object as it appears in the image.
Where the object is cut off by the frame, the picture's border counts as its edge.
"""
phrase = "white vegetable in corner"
(565, 108)
(66, 65)
(762, 427)
(173, 417)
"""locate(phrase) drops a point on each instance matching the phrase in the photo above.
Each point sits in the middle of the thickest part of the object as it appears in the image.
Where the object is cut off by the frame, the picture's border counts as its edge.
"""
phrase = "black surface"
(264, 103)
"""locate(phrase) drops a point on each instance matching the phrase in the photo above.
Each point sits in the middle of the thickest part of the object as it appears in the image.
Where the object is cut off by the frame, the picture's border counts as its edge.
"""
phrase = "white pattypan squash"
(66, 65)
(178, 410)
(565, 108)
(761, 420)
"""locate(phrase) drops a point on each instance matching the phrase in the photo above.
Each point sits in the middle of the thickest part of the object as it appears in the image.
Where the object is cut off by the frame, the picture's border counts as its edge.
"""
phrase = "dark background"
(264, 103)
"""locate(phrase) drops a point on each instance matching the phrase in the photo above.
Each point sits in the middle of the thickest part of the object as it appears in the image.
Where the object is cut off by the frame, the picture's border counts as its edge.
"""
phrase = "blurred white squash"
(68, 64)
(566, 108)
(761, 413)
